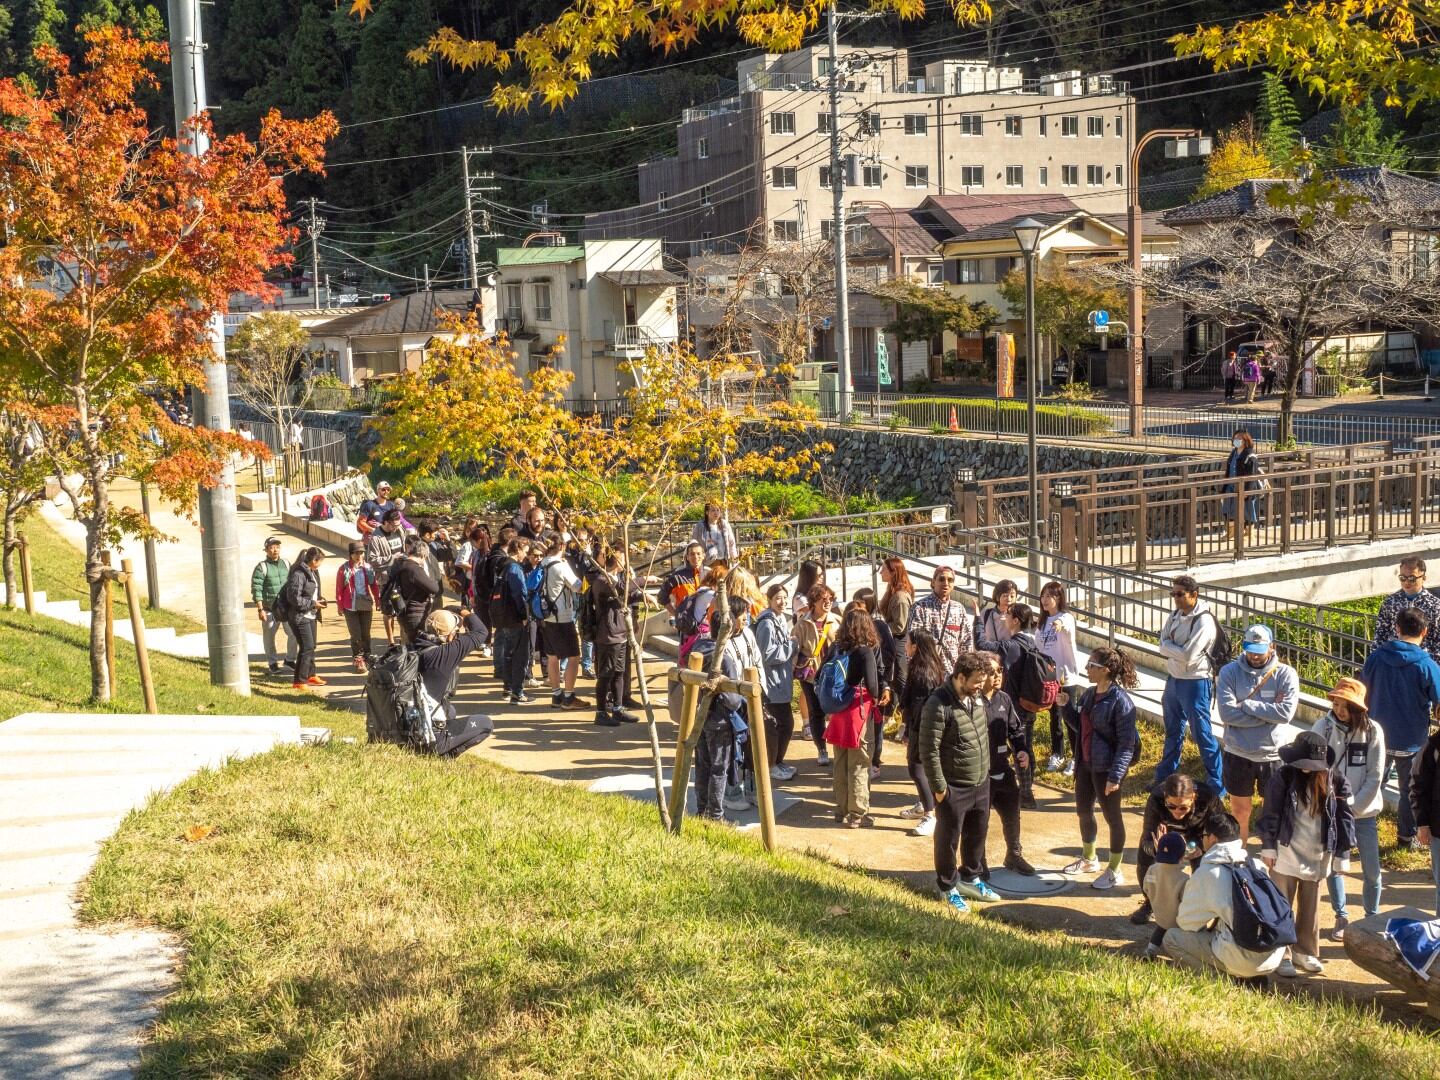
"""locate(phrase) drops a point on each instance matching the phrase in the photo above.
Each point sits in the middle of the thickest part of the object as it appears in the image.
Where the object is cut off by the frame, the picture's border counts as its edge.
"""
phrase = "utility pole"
(476, 187)
(315, 226)
(837, 228)
(219, 530)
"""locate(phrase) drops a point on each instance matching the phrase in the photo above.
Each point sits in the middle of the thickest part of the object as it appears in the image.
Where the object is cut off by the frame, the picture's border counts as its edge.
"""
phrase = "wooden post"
(1417, 494)
(1287, 509)
(108, 606)
(760, 757)
(1376, 484)
(137, 628)
(27, 583)
(680, 773)
(1142, 542)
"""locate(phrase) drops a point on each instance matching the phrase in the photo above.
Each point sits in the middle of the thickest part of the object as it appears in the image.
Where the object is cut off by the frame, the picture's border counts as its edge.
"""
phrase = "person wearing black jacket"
(1178, 804)
(924, 675)
(420, 592)
(440, 649)
(613, 590)
(489, 571)
(302, 603)
(1020, 621)
(890, 667)
(510, 616)
(1007, 737)
(1241, 463)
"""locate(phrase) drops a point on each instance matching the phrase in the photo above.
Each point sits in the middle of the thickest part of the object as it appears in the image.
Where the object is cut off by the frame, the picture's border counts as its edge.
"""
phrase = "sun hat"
(1308, 753)
(1351, 691)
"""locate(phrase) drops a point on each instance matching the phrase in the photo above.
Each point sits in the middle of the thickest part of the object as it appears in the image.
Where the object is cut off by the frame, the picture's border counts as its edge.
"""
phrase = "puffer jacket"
(1277, 823)
(1114, 736)
(1360, 756)
(954, 740)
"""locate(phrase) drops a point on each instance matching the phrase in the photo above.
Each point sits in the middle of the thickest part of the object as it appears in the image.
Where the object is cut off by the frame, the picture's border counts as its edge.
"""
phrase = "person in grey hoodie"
(1359, 745)
(1185, 643)
(777, 669)
(1257, 697)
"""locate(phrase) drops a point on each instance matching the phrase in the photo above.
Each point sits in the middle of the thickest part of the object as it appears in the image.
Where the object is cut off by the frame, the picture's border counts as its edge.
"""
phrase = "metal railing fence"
(322, 456)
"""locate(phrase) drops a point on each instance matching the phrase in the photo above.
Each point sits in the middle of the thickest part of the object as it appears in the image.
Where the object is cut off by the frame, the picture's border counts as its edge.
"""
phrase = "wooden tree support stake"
(137, 628)
(680, 773)
(108, 606)
(760, 757)
(27, 583)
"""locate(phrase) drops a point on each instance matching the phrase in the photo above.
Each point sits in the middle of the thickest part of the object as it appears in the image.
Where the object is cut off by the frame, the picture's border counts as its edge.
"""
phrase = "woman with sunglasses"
(1180, 804)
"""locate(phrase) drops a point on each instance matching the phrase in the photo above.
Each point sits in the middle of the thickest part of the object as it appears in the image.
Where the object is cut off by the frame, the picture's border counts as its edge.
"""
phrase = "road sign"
(1099, 320)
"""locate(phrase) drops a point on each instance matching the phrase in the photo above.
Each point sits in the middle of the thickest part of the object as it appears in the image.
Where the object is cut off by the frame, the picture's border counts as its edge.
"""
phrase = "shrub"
(772, 498)
(1006, 416)
(491, 496)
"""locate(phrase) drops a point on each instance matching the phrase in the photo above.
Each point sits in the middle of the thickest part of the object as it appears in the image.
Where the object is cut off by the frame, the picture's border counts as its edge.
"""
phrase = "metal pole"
(469, 218)
(1031, 368)
(219, 530)
(152, 573)
(837, 228)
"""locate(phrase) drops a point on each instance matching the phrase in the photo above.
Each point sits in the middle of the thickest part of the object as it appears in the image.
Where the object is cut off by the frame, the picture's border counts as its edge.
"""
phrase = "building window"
(1094, 126)
(1044, 176)
(870, 123)
(707, 242)
(917, 176)
(967, 271)
(1069, 126)
(1120, 175)
(822, 123)
(1094, 175)
(934, 274)
(825, 176)
(827, 229)
(873, 176)
(971, 124)
(782, 176)
(782, 123)
(1014, 125)
(542, 301)
(1004, 265)
(787, 229)
(972, 175)
(916, 124)
(1014, 176)
(822, 65)
(1120, 126)
(1044, 125)
(662, 201)
(1069, 175)
(702, 147)
(704, 194)
(513, 307)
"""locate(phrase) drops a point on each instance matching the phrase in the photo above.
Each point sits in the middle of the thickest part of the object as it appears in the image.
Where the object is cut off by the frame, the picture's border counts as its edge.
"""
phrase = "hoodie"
(1185, 643)
(1256, 705)
(1360, 757)
(777, 654)
(1403, 684)
(1208, 899)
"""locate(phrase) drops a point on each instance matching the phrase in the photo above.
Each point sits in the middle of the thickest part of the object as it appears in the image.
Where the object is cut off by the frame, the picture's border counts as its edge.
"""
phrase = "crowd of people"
(961, 686)
(1257, 372)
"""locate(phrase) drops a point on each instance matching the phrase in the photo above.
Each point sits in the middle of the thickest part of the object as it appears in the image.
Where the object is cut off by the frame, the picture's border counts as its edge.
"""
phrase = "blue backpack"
(1262, 919)
(830, 685)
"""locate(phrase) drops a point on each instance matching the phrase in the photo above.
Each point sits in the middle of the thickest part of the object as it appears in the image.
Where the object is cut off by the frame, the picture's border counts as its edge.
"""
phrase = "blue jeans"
(587, 655)
(514, 643)
(1401, 763)
(714, 756)
(1187, 702)
(1367, 839)
(1435, 870)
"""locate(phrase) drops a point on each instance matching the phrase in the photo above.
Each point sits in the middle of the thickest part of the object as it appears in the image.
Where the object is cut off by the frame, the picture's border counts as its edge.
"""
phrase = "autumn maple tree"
(121, 248)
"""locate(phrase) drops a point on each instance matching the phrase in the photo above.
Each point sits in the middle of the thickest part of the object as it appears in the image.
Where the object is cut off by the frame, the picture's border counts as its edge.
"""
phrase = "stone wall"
(360, 440)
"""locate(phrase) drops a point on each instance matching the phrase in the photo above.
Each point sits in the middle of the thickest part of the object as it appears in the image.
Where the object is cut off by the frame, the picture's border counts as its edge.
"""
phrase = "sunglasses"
(945, 578)
(1178, 593)
(1179, 808)
(1412, 577)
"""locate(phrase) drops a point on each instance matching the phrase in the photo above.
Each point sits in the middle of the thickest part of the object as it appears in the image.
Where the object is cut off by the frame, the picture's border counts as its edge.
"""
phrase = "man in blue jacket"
(510, 616)
(1403, 688)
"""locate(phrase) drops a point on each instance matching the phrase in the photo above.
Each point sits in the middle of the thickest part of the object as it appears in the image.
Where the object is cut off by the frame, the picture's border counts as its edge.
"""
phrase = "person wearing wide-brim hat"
(1306, 831)
(1358, 744)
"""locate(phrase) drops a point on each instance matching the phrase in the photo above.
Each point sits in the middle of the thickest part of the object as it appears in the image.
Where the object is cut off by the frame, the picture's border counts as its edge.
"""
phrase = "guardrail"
(367, 398)
(321, 457)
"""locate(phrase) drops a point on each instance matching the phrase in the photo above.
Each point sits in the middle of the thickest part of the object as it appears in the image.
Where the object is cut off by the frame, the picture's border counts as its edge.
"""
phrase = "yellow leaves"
(361, 8)
(195, 833)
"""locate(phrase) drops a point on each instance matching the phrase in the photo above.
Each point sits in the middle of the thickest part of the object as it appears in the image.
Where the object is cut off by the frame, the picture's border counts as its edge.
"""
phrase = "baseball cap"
(272, 540)
(1258, 639)
(384, 485)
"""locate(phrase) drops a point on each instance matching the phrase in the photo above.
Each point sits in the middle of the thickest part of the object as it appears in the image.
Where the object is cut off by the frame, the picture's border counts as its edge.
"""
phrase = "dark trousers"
(780, 728)
(1090, 786)
(1401, 763)
(1059, 725)
(358, 623)
(917, 771)
(514, 641)
(714, 755)
(303, 631)
(961, 821)
(817, 715)
(1230, 388)
(1005, 801)
(612, 664)
(877, 738)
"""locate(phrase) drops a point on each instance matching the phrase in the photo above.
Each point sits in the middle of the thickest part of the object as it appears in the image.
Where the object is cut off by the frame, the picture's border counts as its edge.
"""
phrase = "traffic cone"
(954, 419)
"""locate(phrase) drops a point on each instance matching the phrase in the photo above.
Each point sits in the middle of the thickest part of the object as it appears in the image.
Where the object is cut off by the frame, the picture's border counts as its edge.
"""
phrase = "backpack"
(1037, 684)
(534, 587)
(1222, 649)
(280, 606)
(547, 604)
(398, 708)
(391, 602)
(585, 617)
(1262, 919)
(687, 616)
(320, 509)
(831, 689)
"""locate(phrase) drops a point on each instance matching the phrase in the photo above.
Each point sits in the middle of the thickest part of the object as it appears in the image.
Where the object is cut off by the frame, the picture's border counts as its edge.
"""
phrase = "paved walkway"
(73, 1000)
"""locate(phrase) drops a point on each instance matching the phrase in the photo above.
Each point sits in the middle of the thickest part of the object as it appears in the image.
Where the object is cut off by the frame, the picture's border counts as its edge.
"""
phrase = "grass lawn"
(59, 570)
(363, 912)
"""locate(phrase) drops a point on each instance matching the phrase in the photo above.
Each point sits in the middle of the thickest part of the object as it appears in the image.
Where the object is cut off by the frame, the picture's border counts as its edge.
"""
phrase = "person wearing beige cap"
(1359, 746)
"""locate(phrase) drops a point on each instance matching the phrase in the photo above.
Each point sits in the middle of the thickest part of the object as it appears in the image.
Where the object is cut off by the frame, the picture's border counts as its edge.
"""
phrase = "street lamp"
(1027, 235)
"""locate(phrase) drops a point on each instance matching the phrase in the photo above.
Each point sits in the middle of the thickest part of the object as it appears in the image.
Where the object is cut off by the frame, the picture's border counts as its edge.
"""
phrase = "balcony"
(632, 341)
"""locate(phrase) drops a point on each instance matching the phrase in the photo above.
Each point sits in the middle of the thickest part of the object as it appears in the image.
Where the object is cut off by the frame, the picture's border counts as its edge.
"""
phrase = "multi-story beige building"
(759, 163)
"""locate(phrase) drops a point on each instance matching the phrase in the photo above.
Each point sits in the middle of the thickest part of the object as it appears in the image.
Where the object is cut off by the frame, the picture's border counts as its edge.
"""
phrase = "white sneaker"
(737, 802)
(1082, 865)
(1055, 764)
(914, 813)
(924, 827)
(782, 772)
(1311, 965)
(1108, 879)
(1069, 769)
(1152, 951)
(823, 758)
(1286, 970)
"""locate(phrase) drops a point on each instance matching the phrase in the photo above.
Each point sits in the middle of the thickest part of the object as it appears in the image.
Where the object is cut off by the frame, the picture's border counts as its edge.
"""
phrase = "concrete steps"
(160, 639)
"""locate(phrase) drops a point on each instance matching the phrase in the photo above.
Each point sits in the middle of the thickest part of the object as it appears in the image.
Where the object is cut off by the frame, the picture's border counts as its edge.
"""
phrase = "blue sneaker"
(977, 890)
(955, 900)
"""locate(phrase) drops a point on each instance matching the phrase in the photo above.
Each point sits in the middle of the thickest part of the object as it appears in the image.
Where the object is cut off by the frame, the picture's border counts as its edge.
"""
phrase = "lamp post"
(1133, 236)
(1027, 235)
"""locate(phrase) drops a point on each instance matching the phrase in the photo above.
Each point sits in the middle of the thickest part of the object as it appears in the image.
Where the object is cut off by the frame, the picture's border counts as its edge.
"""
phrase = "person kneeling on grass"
(955, 749)
(1109, 744)
(1164, 885)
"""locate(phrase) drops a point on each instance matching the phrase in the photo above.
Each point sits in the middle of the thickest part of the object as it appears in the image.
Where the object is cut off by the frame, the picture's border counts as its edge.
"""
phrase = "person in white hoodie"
(1203, 935)
(1185, 643)
(1359, 745)
(1257, 697)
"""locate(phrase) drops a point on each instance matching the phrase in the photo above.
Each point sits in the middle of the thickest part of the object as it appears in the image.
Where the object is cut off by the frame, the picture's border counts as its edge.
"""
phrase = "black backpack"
(398, 708)
(1262, 920)
(586, 621)
(391, 602)
(1222, 649)
(687, 618)
(1037, 683)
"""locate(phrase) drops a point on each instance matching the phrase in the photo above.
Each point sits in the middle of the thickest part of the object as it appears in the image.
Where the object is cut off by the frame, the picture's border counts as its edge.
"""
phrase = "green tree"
(309, 81)
(922, 313)
(1278, 121)
(1063, 302)
(42, 22)
(1361, 137)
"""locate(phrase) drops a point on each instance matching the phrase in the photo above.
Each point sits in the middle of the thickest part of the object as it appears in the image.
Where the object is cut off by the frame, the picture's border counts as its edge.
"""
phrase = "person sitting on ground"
(1257, 696)
(1164, 884)
(1307, 831)
(1359, 747)
(1007, 740)
(1178, 805)
(442, 648)
(1109, 744)
(924, 675)
(955, 750)
(1203, 936)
